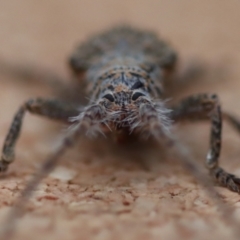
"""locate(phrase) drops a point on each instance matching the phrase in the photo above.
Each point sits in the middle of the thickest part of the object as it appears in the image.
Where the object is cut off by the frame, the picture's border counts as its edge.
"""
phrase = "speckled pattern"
(104, 191)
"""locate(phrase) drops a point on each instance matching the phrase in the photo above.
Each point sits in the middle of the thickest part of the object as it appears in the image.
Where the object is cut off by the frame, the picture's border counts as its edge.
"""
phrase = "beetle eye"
(109, 97)
(136, 95)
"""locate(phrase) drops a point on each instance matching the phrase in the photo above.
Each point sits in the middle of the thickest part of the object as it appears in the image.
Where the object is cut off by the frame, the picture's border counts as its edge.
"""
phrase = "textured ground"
(103, 191)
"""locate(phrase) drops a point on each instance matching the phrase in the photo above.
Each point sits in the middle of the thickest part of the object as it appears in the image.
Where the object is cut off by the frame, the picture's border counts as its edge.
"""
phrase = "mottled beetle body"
(123, 72)
(123, 68)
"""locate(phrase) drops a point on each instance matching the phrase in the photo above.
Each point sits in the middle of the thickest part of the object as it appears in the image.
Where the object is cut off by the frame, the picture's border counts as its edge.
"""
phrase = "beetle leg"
(202, 107)
(53, 109)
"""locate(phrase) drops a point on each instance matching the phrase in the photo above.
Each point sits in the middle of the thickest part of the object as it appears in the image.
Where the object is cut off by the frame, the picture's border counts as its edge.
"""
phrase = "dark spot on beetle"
(136, 95)
(109, 97)
(137, 85)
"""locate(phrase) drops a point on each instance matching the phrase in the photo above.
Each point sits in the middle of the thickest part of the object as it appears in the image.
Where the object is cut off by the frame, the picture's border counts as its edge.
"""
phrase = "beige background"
(107, 191)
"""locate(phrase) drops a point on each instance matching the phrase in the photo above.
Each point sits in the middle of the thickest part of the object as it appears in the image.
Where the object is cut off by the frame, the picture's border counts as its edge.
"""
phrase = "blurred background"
(47, 31)
(44, 33)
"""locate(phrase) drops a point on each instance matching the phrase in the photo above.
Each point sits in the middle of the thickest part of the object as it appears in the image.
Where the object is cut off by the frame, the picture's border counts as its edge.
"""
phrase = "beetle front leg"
(201, 107)
(89, 119)
(53, 109)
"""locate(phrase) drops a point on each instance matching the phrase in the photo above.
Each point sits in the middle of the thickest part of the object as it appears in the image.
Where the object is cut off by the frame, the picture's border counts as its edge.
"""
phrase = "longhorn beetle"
(123, 72)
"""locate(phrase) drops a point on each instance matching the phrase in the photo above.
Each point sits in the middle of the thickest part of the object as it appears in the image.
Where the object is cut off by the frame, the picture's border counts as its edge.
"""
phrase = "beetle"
(123, 72)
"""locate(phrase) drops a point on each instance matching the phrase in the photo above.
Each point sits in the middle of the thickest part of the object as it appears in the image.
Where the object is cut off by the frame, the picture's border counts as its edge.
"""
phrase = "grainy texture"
(103, 191)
